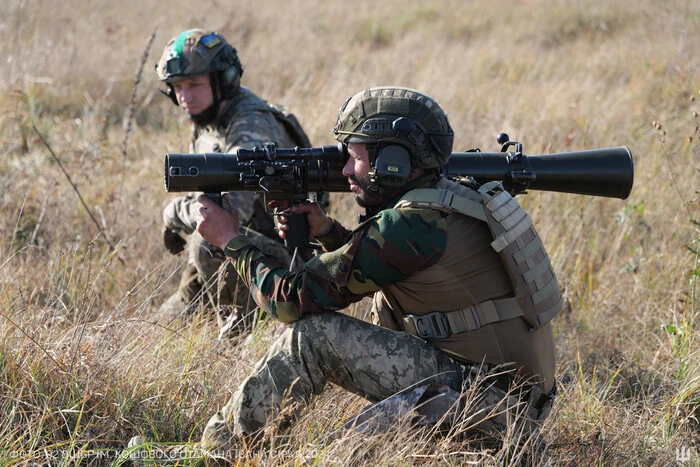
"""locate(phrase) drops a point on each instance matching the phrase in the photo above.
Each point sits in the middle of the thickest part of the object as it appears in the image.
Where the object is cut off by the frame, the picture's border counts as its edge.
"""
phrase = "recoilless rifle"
(295, 174)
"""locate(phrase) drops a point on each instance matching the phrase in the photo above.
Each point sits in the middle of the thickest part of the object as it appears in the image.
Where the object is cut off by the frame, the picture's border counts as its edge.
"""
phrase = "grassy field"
(84, 365)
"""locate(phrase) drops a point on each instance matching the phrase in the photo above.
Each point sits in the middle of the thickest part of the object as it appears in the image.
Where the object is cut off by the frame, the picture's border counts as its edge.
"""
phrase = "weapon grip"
(216, 197)
(298, 233)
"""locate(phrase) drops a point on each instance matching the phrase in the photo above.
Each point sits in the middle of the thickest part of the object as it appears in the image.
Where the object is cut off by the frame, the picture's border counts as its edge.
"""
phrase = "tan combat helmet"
(386, 115)
(198, 51)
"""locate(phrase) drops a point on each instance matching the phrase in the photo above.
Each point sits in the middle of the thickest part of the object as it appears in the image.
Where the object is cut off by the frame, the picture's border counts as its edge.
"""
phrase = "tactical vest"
(246, 101)
(537, 296)
(291, 124)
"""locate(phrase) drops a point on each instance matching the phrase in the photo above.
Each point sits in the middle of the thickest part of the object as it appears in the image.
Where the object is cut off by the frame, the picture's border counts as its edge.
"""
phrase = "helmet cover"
(398, 115)
(195, 52)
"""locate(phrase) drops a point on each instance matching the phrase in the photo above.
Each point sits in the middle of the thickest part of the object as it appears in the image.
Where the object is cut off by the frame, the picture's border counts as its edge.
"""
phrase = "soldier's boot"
(183, 303)
(230, 320)
(234, 320)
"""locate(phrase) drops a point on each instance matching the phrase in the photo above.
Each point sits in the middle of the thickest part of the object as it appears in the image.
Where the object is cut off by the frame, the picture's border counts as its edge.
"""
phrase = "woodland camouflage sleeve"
(384, 250)
(335, 238)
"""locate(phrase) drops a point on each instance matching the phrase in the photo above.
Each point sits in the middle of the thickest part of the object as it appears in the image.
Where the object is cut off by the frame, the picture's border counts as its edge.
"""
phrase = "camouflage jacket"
(439, 261)
(246, 121)
(382, 250)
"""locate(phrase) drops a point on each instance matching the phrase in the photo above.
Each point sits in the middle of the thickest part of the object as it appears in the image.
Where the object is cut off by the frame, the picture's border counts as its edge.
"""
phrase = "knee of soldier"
(203, 252)
(198, 242)
(320, 328)
(304, 342)
(170, 213)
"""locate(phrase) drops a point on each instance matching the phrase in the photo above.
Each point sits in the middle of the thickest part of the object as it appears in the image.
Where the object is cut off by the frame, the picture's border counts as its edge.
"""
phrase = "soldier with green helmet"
(463, 290)
(202, 74)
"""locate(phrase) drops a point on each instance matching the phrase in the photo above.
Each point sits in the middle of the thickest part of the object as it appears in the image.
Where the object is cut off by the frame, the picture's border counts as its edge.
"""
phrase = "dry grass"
(84, 365)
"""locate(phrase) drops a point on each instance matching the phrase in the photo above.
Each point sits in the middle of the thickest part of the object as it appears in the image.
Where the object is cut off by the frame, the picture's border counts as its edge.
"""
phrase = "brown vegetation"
(84, 366)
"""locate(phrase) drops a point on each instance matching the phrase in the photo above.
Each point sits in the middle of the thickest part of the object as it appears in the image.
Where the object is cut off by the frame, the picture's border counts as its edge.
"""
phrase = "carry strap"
(439, 325)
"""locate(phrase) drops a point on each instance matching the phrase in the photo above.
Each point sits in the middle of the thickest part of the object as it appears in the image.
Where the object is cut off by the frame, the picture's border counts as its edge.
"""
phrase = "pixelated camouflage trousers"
(368, 360)
(209, 280)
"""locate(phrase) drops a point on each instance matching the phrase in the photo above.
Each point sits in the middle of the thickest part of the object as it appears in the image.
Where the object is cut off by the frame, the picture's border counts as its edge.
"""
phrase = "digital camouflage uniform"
(245, 122)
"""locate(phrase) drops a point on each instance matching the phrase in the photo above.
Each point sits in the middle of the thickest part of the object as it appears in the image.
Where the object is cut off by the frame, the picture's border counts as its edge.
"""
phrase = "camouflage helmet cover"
(195, 52)
(375, 115)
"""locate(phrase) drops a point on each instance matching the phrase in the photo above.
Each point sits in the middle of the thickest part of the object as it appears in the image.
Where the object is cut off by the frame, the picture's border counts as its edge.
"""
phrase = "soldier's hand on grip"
(217, 225)
(319, 223)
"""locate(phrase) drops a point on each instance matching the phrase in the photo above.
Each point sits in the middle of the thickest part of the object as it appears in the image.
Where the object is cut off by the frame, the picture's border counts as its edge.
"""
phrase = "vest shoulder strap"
(292, 125)
(444, 200)
(246, 101)
(538, 298)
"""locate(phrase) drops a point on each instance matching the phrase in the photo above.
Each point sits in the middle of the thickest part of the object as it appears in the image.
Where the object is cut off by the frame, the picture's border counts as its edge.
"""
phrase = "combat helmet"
(198, 51)
(391, 118)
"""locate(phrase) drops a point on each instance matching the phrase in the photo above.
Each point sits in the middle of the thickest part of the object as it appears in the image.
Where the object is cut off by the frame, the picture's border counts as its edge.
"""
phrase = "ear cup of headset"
(392, 166)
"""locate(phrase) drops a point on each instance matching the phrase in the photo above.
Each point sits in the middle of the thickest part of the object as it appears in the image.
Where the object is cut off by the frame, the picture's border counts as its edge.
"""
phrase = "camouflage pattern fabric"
(323, 346)
(328, 347)
(208, 280)
(369, 117)
(384, 250)
(195, 52)
(424, 260)
(245, 122)
(406, 374)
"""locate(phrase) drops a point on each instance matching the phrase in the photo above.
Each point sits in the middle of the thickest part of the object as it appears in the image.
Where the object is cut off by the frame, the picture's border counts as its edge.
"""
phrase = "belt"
(439, 325)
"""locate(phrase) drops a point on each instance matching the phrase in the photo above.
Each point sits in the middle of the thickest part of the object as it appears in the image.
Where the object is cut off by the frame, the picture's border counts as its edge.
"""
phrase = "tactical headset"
(393, 156)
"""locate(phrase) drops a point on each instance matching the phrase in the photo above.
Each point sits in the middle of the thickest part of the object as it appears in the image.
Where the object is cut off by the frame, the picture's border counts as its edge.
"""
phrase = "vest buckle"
(431, 326)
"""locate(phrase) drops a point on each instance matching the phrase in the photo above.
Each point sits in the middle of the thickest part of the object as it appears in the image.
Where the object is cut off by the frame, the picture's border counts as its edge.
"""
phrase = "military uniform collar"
(428, 179)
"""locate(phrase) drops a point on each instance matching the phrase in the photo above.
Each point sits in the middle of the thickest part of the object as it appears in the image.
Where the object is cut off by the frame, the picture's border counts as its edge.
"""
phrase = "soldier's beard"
(208, 116)
(369, 198)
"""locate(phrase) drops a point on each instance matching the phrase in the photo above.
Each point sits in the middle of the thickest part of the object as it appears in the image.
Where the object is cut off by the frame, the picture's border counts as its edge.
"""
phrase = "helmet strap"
(170, 92)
